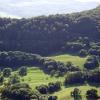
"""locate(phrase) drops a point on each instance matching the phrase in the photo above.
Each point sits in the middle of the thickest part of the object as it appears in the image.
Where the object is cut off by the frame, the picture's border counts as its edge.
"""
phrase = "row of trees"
(16, 59)
(22, 91)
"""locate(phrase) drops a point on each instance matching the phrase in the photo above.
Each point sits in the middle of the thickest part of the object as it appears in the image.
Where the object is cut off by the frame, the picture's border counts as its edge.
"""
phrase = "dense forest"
(48, 34)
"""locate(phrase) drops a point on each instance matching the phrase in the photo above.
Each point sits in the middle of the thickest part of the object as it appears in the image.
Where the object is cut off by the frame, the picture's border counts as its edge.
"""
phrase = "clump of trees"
(57, 69)
(79, 46)
(91, 63)
(16, 59)
(82, 77)
(92, 94)
(75, 78)
(22, 71)
(7, 72)
(50, 88)
(18, 92)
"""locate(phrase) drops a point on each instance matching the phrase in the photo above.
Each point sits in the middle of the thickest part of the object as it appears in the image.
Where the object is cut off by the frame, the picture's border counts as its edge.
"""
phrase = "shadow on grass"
(74, 85)
(77, 85)
(94, 84)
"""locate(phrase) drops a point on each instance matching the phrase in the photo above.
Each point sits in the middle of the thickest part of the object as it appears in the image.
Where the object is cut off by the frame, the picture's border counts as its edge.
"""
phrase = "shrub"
(14, 79)
(23, 71)
(7, 72)
(92, 94)
(91, 63)
(76, 94)
(75, 78)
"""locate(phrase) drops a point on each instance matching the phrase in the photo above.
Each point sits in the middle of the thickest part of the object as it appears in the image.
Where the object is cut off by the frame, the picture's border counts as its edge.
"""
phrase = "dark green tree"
(23, 71)
(7, 72)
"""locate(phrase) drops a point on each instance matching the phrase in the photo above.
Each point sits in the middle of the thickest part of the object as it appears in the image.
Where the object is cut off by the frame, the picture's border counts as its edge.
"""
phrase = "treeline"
(16, 59)
(47, 34)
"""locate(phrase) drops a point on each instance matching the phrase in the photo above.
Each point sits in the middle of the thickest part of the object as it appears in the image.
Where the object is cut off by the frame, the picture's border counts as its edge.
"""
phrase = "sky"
(31, 8)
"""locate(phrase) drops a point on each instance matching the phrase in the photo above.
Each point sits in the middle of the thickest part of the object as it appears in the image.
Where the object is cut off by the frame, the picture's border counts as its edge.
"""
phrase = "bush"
(7, 72)
(14, 79)
(92, 94)
(94, 76)
(50, 88)
(75, 78)
(83, 53)
(1, 79)
(23, 71)
(43, 89)
(76, 94)
(91, 63)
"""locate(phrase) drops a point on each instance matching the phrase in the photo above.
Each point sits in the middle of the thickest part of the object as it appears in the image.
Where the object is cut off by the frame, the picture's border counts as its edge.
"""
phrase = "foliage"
(14, 79)
(76, 93)
(18, 92)
(92, 63)
(47, 34)
(23, 71)
(92, 94)
(7, 72)
(75, 78)
(50, 88)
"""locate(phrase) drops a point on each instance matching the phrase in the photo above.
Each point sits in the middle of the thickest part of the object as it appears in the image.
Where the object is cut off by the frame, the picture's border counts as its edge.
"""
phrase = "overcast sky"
(31, 8)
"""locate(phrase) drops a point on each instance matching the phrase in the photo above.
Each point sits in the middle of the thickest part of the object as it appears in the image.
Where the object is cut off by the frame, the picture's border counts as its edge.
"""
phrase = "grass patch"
(79, 61)
(64, 94)
(36, 77)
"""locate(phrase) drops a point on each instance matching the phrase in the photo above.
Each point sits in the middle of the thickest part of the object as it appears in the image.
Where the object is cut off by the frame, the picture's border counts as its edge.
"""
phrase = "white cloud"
(88, 0)
(29, 8)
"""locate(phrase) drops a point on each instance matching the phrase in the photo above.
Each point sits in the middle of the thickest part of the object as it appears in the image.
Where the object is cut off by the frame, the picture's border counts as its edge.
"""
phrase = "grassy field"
(64, 94)
(37, 77)
(74, 59)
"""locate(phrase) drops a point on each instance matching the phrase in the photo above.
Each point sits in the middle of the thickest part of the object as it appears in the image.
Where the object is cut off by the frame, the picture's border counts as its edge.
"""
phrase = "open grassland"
(66, 58)
(37, 77)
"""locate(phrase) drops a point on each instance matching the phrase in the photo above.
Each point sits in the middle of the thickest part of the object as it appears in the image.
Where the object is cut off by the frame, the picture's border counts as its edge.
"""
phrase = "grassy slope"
(74, 59)
(36, 77)
(64, 94)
